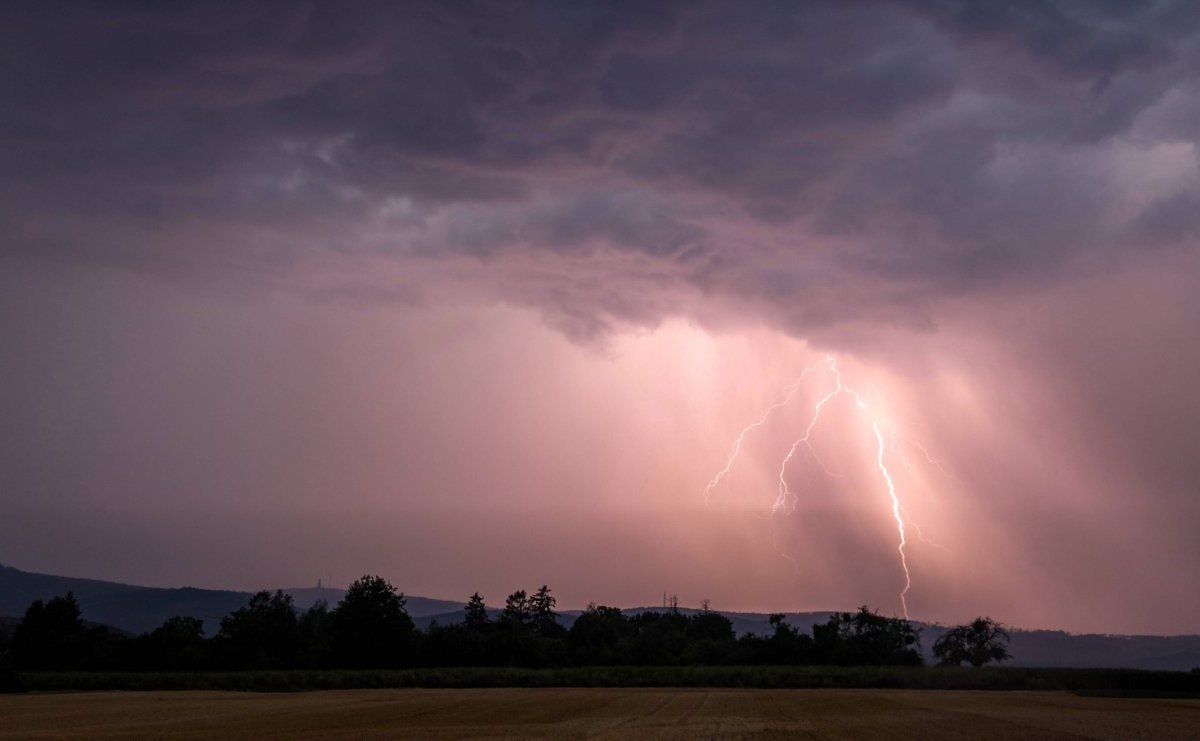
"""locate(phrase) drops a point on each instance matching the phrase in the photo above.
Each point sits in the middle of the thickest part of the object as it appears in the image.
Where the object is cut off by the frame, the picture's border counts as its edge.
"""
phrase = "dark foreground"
(596, 714)
(1111, 682)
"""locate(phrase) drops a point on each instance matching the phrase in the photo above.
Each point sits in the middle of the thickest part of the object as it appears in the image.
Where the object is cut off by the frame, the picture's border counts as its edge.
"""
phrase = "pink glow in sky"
(480, 299)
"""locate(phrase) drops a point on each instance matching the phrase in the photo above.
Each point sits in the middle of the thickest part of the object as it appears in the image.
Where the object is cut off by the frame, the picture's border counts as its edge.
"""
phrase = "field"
(596, 714)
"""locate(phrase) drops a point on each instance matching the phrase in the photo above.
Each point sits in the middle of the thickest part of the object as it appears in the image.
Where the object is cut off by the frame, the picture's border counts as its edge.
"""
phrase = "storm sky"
(478, 296)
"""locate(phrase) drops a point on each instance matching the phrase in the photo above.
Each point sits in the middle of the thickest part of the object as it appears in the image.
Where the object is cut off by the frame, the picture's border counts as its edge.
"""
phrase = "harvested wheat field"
(596, 714)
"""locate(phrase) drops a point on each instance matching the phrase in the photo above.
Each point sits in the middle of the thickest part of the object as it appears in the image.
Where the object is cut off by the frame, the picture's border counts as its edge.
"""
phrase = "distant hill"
(19, 588)
(139, 609)
(1057, 648)
(128, 607)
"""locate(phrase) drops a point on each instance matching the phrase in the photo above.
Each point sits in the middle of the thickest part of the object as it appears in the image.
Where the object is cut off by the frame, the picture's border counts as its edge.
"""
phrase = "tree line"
(370, 629)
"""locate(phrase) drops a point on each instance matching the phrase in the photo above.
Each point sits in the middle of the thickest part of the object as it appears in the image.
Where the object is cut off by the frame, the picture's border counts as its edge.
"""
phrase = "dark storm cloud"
(1083, 39)
(889, 151)
(625, 220)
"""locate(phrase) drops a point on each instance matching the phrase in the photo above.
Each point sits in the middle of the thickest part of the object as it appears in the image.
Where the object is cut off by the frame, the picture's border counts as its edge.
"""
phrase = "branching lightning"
(786, 499)
(737, 445)
(924, 452)
(785, 494)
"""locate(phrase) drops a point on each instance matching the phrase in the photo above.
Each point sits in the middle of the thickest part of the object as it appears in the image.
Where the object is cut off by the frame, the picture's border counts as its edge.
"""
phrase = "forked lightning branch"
(786, 498)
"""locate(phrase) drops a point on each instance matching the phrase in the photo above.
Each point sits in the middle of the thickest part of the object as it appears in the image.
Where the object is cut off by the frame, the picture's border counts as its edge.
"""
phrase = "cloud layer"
(804, 165)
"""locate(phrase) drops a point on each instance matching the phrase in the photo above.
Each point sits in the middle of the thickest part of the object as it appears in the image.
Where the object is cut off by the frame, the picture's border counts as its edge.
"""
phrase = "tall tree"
(371, 626)
(517, 609)
(542, 617)
(51, 635)
(476, 616)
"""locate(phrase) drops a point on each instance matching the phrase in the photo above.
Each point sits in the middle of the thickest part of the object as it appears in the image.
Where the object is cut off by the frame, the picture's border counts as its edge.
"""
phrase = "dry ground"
(595, 714)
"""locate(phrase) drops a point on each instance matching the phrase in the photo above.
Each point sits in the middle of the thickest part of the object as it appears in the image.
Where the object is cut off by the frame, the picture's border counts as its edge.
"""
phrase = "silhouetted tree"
(517, 609)
(660, 638)
(263, 634)
(599, 635)
(177, 644)
(476, 616)
(710, 639)
(542, 617)
(371, 626)
(977, 642)
(528, 633)
(865, 637)
(786, 645)
(710, 626)
(51, 635)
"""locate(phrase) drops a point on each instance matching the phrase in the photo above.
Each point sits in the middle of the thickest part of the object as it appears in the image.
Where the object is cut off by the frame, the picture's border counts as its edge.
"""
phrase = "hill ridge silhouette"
(138, 609)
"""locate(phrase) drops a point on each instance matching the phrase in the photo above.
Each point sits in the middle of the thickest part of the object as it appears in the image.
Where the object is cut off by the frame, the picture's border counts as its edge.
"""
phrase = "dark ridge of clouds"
(627, 220)
(769, 162)
(1078, 39)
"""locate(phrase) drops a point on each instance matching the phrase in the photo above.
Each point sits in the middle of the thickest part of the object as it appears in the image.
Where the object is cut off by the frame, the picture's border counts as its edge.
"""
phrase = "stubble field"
(596, 714)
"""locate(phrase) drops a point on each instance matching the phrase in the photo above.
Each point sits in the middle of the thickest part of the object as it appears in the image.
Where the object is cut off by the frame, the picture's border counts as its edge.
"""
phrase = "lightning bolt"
(786, 499)
(891, 487)
(924, 452)
(785, 494)
(737, 445)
